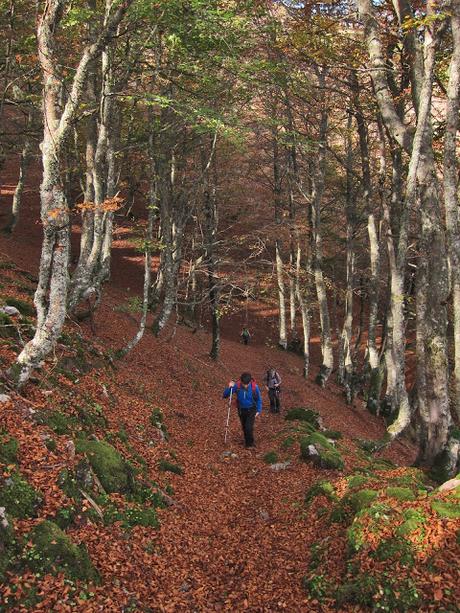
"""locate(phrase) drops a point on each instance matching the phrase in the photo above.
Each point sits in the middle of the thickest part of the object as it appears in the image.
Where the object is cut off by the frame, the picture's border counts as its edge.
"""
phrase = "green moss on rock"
(9, 448)
(271, 457)
(18, 497)
(355, 481)
(321, 488)
(113, 471)
(397, 549)
(170, 467)
(7, 327)
(449, 510)
(288, 442)
(414, 519)
(333, 434)
(400, 493)
(303, 414)
(53, 551)
(24, 307)
(329, 457)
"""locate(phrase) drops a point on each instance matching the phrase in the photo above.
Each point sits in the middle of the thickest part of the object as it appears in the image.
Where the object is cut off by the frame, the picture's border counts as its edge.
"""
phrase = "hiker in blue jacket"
(248, 402)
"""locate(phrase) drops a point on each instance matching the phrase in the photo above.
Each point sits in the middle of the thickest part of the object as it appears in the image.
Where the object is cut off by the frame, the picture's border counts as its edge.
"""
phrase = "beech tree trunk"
(321, 292)
(451, 191)
(51, 294)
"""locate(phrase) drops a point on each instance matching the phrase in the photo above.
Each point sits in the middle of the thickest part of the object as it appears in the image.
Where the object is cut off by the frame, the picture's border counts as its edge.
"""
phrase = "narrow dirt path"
(240, 538)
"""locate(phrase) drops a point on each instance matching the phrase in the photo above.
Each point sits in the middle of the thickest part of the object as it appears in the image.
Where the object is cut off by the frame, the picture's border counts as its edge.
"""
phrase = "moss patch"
(400, 493)
(271, 457)
(113, 472)
(302, 414)
(321, 488)
(329, 456)
(18, 497)
(166, 466)
(7, 327)
(413, 520)
(449, 510)
(9, 448)
(53, 551)
(25, 308)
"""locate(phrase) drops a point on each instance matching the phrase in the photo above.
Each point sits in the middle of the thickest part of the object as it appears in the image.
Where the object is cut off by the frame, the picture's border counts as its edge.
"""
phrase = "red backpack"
(253, 385)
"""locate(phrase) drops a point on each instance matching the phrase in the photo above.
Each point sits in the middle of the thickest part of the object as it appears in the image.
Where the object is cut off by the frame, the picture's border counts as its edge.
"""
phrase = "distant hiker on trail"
(246, 336)
(248, 402)
(272, 382)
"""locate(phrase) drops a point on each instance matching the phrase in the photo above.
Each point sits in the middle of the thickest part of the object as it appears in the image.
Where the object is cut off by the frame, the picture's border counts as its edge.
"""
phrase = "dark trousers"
(274, 396)
(247, 417)
(245, 340)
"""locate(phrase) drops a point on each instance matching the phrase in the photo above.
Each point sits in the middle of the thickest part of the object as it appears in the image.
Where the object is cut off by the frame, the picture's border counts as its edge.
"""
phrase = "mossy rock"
(9, 448)
(53, 551)
(321, 488)
(60, 423)
(360, 500)
(329, 457)
(400, 493)
(396, 549)
(303, 414)
(359, 591)
(271, 457)
(449, 510)
(288, 442)
(8, 544)
(317, 586)
(24, 307)
(413, 478)
(18, 497)
(441, 470)
(370, 518)
(157, 421)
(7, 327)
(356, 481)
(414, 519)
(332, 434)
(113, 471)
(136, 515)
(170, 467)
(92, 416)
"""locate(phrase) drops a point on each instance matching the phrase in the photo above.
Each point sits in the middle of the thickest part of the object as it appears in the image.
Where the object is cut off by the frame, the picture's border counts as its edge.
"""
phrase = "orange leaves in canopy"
(109, 205)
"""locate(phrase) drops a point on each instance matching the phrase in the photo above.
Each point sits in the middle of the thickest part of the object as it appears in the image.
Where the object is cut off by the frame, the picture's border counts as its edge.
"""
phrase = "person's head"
(271, 371)
(245, 379)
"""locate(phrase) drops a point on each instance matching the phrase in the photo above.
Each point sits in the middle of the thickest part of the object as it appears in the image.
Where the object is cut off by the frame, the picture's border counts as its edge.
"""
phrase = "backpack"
(276, 376)
(253, 385)
(253, 388)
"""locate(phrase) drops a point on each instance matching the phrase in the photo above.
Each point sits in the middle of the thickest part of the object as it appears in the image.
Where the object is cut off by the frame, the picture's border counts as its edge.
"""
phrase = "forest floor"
(238, 536)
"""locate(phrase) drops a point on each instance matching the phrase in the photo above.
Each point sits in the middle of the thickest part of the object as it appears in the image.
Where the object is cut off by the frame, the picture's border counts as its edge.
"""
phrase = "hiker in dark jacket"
(248, 402)
(272, 382)
(246, 336)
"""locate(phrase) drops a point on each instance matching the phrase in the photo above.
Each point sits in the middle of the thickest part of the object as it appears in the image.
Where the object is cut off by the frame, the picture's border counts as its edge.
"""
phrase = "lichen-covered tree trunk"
(302, 294)
(345, 361)
(451, 190)
(277, 191)
(51, 294)
(315, 210)
(88, 276)
(26, 156)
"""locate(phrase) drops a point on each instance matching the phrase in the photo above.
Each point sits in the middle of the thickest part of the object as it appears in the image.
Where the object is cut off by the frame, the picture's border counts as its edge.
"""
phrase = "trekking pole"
(228, 414)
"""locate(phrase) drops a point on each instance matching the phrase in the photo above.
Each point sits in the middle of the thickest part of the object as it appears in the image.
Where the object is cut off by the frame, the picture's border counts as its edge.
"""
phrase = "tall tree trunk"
(302, 294)
(345, 363)
(277, 192)
(451, 191)
(318, 179)
(51, 295)
(26, 156)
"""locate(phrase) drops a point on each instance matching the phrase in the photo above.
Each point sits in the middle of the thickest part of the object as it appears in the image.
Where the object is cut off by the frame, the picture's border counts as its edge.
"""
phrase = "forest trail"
(239, 538)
